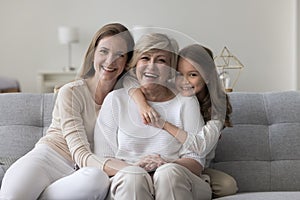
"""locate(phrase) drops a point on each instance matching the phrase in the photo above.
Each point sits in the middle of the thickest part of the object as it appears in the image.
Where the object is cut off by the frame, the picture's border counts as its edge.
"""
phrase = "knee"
(93, 173)
(228, 186)
(131, 182)
(222, 183)
(93, 176)
(132, 174)
(169, 173)
(131, 178)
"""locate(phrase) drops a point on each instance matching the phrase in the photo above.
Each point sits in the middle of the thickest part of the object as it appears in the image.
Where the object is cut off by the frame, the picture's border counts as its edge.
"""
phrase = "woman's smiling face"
(188, 80)
(110, 57)
(153, 67)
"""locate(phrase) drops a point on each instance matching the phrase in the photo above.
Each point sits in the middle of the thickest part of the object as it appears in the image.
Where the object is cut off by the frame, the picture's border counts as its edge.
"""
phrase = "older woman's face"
(188, 80)
(110, 57)
(154, 67)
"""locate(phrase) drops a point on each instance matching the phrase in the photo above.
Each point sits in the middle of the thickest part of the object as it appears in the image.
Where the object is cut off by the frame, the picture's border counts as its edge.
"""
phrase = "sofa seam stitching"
(269, 143)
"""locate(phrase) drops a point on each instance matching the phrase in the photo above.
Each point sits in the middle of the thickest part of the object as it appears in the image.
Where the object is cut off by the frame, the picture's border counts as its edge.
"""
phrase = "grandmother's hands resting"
(150, 162)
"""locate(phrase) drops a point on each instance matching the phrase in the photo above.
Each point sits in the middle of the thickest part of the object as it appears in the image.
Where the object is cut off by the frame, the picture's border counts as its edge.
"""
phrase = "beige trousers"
(170, 181)
(222, 184)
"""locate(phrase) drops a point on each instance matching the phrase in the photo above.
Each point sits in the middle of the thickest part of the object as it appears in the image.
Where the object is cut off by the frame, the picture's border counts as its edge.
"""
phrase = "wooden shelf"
(48, 80)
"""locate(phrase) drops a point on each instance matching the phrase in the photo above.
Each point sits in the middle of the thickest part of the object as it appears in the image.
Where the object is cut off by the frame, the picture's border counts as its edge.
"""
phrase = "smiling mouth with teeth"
(186, 88)
(109, 69)
(150, 75)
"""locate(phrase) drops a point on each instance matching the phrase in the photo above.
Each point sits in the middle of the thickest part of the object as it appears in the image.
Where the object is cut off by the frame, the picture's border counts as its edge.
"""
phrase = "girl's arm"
(194, 136)
(148, 114)
(190, 164)
(201, 142)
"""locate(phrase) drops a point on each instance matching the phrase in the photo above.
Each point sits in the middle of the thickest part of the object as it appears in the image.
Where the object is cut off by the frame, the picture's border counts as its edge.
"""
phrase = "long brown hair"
(213, 102)
(112, 29)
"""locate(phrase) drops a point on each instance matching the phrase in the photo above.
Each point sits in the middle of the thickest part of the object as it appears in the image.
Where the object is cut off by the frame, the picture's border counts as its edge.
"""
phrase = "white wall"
(261, 33)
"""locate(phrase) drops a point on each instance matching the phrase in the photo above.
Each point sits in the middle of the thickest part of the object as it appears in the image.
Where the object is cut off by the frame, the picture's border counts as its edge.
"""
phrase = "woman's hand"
(151, 162)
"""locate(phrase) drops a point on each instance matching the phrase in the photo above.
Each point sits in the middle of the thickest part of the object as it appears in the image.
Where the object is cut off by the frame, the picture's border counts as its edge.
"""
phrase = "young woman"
(197, 75)
(49, 170)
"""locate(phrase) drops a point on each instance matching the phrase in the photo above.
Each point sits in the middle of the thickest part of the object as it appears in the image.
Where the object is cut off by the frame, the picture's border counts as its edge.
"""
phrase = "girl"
(197, 75)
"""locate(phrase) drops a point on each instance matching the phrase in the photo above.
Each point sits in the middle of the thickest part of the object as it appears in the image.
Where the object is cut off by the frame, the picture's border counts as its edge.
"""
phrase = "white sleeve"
(105, 132)
(204, 141)
(200, 139)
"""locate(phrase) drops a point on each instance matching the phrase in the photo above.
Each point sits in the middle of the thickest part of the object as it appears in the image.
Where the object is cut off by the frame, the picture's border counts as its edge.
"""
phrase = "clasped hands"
(150, 162)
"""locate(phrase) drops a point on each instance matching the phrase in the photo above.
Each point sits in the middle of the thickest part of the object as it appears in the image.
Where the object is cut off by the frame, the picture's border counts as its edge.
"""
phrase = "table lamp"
(68, 35)
(229, 68)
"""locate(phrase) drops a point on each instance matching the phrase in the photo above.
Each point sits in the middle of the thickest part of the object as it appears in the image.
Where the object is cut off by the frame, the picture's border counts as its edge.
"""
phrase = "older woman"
(135, 151)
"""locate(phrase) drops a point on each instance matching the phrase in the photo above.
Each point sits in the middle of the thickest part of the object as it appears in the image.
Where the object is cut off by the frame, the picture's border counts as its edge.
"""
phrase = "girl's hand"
(160, 123)
(149, 115)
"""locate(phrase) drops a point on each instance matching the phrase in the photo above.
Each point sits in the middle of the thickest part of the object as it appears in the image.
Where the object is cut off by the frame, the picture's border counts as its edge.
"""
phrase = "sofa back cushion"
(24, 118)
(261, 151)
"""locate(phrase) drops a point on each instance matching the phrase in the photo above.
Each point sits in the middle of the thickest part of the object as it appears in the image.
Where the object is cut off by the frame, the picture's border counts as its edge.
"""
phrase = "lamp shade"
(67, 35)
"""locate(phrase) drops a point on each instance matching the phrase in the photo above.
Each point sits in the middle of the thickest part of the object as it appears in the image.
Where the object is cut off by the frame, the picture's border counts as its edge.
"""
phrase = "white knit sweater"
(120, 133)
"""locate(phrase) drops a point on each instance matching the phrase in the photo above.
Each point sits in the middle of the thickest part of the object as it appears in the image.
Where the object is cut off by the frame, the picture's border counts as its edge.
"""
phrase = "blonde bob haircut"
(153, 42)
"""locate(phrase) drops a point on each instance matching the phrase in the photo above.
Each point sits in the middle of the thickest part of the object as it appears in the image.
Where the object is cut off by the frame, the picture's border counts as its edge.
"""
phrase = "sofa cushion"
(261, 150)
(24, 119)
(263, 196)
(21, 123)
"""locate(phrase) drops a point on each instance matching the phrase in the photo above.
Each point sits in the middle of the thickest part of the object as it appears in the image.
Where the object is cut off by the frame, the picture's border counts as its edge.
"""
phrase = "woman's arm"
(106, 145)
(112, 166)
(106, 135)
(68, 110)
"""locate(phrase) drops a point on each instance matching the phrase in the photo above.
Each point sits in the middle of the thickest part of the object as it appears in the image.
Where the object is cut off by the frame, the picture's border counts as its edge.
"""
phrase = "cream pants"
(222, 184)
(170, 181)
(43, 169)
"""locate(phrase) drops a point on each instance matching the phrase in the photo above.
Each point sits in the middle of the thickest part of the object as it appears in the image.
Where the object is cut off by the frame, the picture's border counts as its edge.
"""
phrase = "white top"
(205, 142)
(120, 132)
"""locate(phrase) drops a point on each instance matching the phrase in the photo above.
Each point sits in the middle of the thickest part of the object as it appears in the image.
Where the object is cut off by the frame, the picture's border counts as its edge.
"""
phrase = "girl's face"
(110, 57)
(153, 67)
(188, 80)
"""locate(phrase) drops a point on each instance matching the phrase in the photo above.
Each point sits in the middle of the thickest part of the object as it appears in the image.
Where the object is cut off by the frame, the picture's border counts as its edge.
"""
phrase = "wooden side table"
(48, 80)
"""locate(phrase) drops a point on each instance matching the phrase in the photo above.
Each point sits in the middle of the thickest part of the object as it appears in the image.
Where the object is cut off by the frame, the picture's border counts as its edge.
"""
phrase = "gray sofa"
(261, 151)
